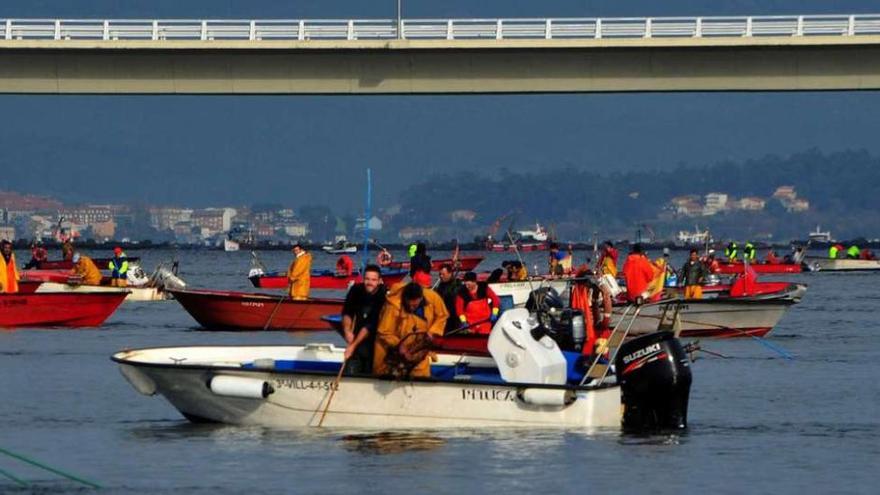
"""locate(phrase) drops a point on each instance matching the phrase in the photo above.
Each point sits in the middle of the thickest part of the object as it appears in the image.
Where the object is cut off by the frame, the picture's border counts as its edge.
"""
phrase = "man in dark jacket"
(448, 289)
(693, 273)
(360, 317)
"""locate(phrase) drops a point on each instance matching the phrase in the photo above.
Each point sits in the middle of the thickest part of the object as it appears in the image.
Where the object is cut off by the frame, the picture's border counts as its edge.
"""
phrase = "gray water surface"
(758, 423)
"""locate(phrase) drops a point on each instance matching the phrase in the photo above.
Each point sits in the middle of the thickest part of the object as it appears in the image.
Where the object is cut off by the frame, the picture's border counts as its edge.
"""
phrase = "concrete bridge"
(459, 56)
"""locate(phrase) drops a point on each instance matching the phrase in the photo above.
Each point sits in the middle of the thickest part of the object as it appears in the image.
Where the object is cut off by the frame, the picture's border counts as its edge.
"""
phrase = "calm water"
(758, 423)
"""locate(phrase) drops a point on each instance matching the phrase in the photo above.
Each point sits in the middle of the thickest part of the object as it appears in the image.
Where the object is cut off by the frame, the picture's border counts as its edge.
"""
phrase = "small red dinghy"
(224, 310)
(67, 265)
(57, 276)
(58, 309)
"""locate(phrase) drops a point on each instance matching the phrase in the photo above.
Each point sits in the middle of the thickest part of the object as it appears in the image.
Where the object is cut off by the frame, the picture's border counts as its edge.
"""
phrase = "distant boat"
(229, 245)
(340, 248)
(819, 236)
(695, 238)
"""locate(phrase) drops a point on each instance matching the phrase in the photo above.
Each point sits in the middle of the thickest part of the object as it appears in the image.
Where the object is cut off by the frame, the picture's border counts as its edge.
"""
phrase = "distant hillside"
(841, 187)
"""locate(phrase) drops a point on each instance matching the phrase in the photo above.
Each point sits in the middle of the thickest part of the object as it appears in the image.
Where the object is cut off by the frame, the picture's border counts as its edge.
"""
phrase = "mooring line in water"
(40, 465)
(14, 478)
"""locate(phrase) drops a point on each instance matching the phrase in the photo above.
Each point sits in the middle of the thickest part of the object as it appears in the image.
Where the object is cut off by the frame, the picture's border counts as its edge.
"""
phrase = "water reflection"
(389, 442)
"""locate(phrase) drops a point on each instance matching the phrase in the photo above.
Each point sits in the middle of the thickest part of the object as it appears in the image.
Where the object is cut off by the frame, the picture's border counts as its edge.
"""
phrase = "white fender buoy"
(239, 386)
(546, 396)
(138, 380)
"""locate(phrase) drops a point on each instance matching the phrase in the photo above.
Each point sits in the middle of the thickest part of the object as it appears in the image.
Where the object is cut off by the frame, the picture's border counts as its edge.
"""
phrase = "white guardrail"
(440, 29)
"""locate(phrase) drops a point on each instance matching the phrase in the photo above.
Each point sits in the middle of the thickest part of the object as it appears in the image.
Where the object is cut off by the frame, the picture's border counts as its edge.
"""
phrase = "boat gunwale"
(236, 295)
(209, 367)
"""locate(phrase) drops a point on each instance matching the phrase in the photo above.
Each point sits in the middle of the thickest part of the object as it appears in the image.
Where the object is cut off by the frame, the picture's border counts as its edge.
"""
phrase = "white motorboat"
(718, 317)
(141, 287)
(340, 248)
(230, 246)
(516, 294)
(527, 383)
(841, 264)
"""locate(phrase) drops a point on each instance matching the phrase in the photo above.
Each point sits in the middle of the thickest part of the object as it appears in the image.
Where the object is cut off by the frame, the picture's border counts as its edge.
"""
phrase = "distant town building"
(165, 218)
(296, 229)
(797, 206)
(213, 220)
(785, 193)
(415, 233)
(28, 202)
(7, 232)
(715, 202)
(463, 215)
(375, 224)
(751, 203)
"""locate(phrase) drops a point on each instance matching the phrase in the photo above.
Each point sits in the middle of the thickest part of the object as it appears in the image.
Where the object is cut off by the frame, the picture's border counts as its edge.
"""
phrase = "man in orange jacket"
(299, 275)
(8, 269)
(638, 272)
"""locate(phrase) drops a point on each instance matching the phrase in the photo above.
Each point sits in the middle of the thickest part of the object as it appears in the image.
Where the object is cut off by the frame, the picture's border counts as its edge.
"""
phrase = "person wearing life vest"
(299, 274)
(712, 262)
(731, 252)
(477, 305)
(516, 271)
(410, 312)
(344, 266)
(411, 250)
(853, 252)
(749, 252)
(835, 250)
(118, 267)
(638, 272)
(9, 275)
(772, 258)
(608, 259)
(867, 254)
(86, 270)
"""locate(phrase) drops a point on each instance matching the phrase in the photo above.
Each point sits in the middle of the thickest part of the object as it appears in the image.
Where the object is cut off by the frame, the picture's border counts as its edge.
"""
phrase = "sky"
(295, 150)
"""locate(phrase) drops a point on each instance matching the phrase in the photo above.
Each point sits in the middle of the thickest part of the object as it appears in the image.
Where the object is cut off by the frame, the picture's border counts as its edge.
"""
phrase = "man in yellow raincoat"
(409, 309)
(86, 269)
(9, 276)
(299, 275)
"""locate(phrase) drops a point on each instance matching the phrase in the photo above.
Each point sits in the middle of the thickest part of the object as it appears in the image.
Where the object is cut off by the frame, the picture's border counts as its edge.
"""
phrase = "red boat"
(325, 279)
(67, 265)
(727, 268)
(222, 310)
(57, 276)
(58, 309)
(466, 263)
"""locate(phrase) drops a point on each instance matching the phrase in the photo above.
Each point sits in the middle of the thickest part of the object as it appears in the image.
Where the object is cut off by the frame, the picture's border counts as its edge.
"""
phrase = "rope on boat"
(45, 467)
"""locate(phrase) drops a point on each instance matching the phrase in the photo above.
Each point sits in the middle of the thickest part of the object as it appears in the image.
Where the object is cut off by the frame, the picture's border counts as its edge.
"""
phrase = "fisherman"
(516, 271)
(411, 250)
(86, 270)
(835, 250)
(477, 305)
(731, 251)
(853, 252)
(867, 254)
(360, 318)
(638, 272)
(712, 262)
(299, 274)
(9, 275)
(557, 261)
(344, 266)
(420, 261)
(772, 258)
(38, 255)
(67, 250)
(118, 267)
(693, 274)
(608, 259)
(448, 288)
(411, 318)
(749, 252)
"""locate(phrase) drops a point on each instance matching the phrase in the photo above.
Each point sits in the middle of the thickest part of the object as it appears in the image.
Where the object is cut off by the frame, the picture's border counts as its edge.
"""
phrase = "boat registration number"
(300, 384)
(252, 304)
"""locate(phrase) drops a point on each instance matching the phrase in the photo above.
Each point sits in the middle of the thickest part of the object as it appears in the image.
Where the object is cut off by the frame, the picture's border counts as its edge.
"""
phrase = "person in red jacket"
(344, 266)
(638, 272)
(477, 305)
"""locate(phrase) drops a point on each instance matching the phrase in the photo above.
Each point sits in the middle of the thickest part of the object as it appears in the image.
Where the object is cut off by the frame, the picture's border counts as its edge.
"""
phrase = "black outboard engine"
(564, 325)
(655, 382)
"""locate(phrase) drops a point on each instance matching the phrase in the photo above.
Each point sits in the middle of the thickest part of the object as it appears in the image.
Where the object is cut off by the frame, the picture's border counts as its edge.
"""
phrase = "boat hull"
(842, 265)
(324, 280)
(57, 276)
(761, 268)
(135, 294)
(359, 402)
(721, 318)
(57, 309)
(215, 310)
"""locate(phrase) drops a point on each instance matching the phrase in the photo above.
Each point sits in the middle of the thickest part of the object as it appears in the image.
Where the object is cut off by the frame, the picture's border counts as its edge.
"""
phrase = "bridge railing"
(439, 29)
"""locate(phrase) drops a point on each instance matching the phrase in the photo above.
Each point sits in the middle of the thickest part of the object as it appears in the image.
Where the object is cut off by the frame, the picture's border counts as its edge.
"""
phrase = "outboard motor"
(655, 382)
(168, 280)
(565, 326)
